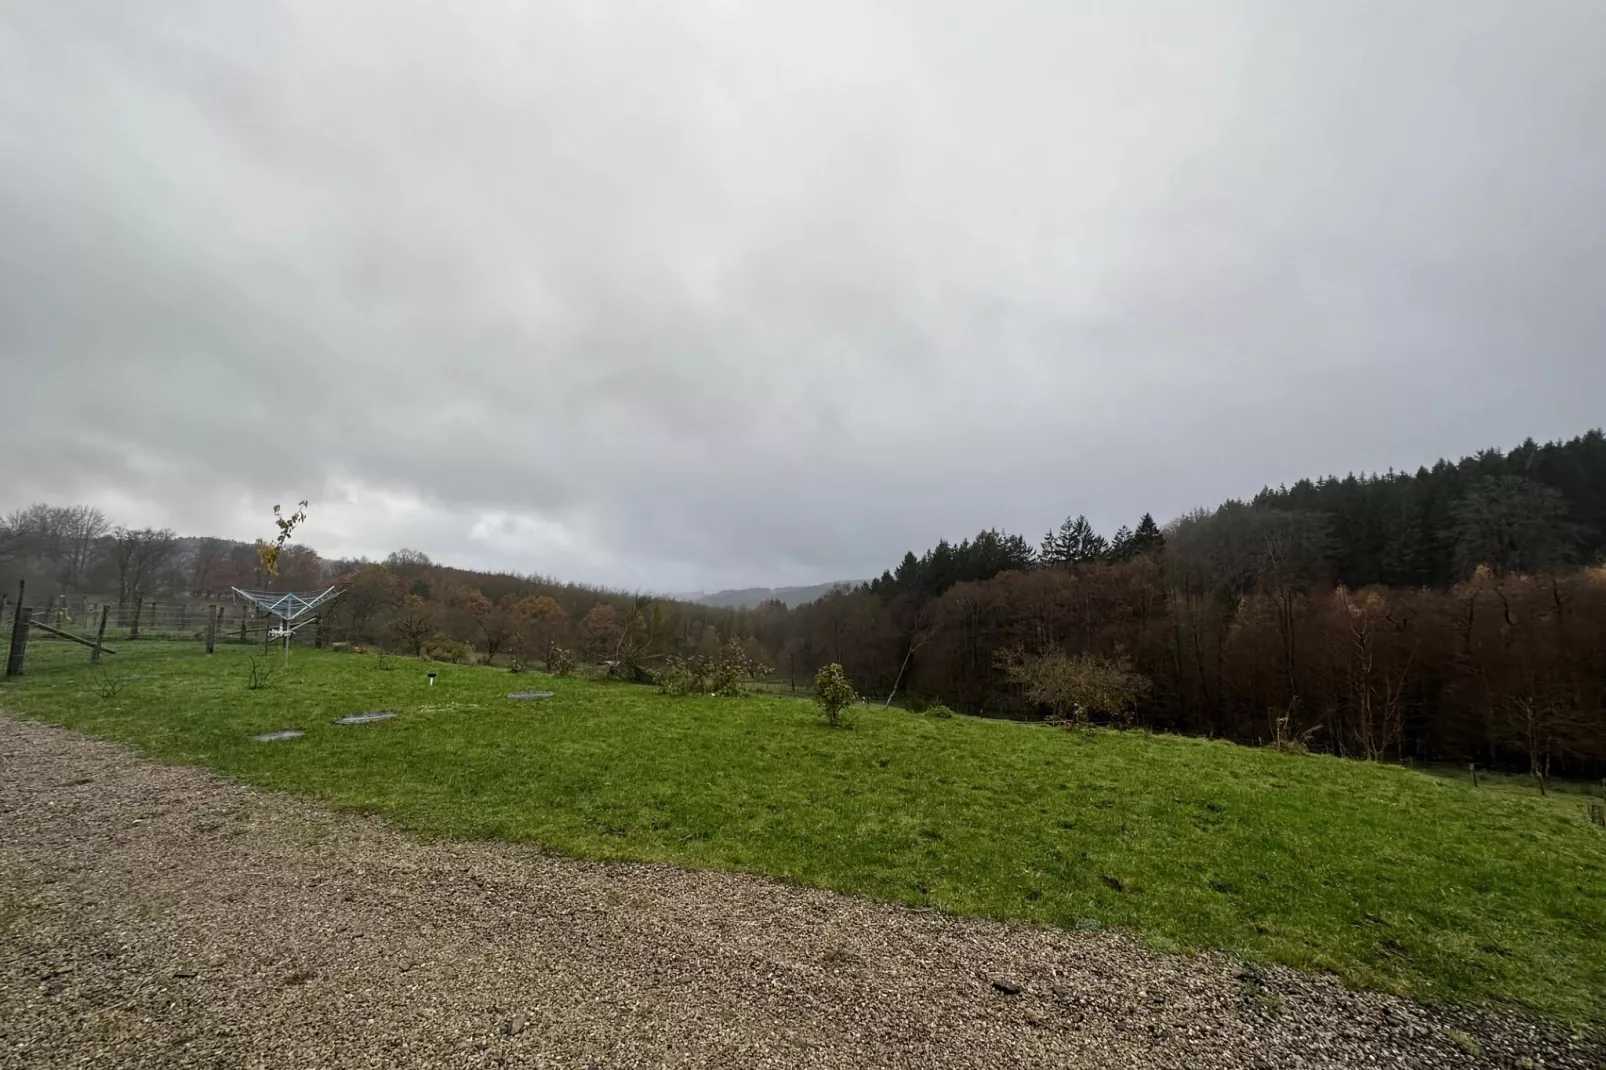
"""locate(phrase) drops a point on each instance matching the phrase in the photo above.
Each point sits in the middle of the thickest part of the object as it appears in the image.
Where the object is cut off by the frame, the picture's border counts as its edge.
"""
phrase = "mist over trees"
(1457, 613)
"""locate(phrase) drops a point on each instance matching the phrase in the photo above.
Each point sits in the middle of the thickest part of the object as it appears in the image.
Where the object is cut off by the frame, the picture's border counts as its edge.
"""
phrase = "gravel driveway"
(162, 916)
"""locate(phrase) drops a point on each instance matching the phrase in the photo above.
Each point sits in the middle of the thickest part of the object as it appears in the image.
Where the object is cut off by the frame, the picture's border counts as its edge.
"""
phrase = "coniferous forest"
(1457, 613)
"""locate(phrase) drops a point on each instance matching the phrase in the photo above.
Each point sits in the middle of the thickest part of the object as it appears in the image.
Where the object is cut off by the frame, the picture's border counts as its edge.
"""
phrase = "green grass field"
(1391, 879)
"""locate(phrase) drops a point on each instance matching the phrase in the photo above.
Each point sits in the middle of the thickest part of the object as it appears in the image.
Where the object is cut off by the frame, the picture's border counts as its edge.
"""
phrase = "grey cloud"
(702, 295)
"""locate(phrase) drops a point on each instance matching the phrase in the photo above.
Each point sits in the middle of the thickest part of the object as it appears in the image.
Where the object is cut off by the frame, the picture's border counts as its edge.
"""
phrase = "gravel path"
(156, 916)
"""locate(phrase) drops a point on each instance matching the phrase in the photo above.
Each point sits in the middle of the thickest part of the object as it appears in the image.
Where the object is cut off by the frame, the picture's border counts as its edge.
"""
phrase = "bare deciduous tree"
(1073, 687)
(414, 620)
(1544, 725)
(13, 535)
(1512, 524)
(923, 626)
(139, 555)
(364, 596)
(1375, 692)
(540, 621)
(208, 565)
(82, 528)
(496, 621)
(601, 629)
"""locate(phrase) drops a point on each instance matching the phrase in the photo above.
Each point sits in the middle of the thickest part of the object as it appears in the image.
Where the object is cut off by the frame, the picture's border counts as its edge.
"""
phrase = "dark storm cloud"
(700, 295)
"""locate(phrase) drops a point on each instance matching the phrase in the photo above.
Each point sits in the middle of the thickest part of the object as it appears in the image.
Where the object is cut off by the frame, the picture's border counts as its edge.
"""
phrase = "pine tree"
(1406, 553)
(907, 578)
(1084, 543)
(1073, 543)
(1404, 527)
(1017, 553)
(1121, 545)
(1147, 539)
(1052, 550)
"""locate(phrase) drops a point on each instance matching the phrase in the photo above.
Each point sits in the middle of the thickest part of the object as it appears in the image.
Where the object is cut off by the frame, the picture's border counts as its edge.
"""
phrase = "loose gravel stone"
(161, 916)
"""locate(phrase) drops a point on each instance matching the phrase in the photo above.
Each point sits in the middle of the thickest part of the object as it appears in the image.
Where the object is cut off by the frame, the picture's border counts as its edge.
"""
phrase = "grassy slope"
(1392, 879)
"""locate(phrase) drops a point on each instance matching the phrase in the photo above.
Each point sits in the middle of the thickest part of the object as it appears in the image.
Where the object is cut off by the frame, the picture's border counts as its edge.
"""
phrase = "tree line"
(75, 550)
(1457, 613)
(1454, 614)
(406, 602)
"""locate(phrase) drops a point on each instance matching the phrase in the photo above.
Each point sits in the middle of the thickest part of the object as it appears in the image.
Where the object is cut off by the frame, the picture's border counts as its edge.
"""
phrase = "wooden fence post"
(317, 633)
(211, 627)
(139, 611)
(155, 626)
(19, 641)
(16, 616)
(183, 615)
(242, 626)
(100, 636)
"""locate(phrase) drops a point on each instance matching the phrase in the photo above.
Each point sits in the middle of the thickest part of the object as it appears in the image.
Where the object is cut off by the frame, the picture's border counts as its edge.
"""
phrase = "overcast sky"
(694, 295)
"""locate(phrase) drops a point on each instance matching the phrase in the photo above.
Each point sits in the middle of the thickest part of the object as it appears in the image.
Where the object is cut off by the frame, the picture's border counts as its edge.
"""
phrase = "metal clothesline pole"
(288, 606)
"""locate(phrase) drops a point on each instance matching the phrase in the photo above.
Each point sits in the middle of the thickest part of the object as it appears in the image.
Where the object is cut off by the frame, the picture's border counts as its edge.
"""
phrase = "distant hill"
(748, 597)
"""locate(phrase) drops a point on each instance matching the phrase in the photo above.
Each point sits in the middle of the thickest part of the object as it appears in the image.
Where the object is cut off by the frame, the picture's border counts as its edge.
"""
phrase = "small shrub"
(728, 675)
(559, 661)
(916, 704)
(108, 684)
(833, 693)
(448, 650)
(734, 670)
(1285, 739)
(1074, 687)
(938, 711)
(676, 677)
(261, 672)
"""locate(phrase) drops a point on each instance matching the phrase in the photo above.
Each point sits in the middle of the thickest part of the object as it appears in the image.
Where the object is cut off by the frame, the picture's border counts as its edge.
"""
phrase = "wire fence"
(176, 620)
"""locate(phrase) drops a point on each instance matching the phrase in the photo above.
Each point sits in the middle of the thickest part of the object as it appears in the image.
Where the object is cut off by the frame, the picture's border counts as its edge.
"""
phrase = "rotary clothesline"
(288, 606)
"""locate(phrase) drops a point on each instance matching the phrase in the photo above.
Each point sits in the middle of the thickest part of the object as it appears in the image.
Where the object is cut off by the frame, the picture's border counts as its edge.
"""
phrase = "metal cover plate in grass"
(530, 694)
(274, 737)
(365, 718)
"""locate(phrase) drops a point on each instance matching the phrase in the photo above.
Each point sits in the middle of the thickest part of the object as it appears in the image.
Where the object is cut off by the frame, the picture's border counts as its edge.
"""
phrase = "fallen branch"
(75, 638)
